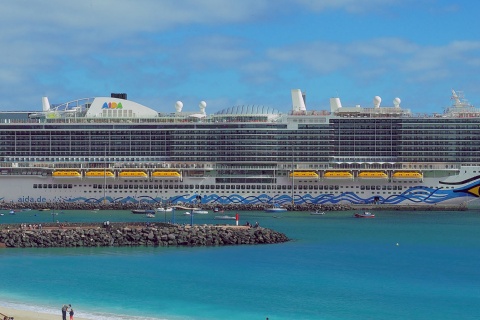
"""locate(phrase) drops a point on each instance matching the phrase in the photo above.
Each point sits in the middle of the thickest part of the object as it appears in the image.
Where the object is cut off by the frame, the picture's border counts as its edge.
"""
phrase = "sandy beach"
(31, 315)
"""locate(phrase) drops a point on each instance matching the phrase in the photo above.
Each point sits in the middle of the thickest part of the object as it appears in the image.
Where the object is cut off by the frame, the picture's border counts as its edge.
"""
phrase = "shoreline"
(22, 314)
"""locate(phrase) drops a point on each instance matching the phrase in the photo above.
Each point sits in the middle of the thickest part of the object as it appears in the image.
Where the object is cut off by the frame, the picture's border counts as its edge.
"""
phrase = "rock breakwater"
(121, 235)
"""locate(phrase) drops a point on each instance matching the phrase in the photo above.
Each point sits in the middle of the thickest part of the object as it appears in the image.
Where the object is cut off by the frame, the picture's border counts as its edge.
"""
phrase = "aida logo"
(112, 105)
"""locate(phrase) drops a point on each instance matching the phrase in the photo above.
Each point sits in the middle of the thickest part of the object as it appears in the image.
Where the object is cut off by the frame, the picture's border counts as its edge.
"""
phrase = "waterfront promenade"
(231, 207)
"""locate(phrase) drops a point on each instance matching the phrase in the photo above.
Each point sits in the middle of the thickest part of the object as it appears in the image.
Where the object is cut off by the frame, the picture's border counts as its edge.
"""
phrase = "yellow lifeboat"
(133, 175)
(304, 174)
(66, 174)
(372, 175)
(166, 174)
(338, 175)
(407, 175)
(99, 174)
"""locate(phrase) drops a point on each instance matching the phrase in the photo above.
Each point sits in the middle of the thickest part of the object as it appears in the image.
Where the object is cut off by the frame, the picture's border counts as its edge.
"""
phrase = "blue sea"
(399, 265)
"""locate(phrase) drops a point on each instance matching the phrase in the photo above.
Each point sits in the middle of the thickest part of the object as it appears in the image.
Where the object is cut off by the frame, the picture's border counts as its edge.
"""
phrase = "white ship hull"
(457, 188)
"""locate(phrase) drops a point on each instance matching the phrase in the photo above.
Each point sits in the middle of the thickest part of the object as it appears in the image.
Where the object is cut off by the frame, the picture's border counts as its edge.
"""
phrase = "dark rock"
(78, 235)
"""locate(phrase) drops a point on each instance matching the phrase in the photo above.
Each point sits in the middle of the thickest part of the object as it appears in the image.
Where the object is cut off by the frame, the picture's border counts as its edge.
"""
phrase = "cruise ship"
(113, 150)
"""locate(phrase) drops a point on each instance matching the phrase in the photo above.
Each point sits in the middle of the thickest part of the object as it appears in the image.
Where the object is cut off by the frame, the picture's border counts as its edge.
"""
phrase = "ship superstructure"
(111, 149)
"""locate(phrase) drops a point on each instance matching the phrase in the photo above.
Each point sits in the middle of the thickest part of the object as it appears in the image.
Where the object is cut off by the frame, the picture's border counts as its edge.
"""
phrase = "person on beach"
(64, 312)
(71, 314)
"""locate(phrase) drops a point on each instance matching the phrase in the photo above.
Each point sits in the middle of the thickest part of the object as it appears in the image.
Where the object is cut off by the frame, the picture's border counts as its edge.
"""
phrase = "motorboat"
(187, 213)
(365, 214)
(143, 211)
(320, 213)
(276, 209)
(150, 215)
(224, 217)
(169, 209)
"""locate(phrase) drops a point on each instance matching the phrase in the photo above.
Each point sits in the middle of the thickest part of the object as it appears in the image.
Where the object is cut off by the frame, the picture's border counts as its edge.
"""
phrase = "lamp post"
(164, 212)
(191, 217)
(104, 175)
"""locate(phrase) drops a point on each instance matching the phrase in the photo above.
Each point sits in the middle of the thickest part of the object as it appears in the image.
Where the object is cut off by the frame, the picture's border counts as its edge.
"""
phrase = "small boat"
(12, 212)
(217, 210)
(143, 211)
(150, 215)
(169, 209)
(224, 217)
(366, 214)
(44, 209)
(276, 209)
(187, 213)
(318, 213)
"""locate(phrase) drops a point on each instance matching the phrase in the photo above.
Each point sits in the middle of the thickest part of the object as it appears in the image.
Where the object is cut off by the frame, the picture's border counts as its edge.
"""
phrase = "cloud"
(352, 6)
(380, 57)
(164, 48)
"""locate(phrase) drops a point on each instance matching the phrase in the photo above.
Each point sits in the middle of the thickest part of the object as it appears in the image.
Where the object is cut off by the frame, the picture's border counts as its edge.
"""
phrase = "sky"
(232, 52)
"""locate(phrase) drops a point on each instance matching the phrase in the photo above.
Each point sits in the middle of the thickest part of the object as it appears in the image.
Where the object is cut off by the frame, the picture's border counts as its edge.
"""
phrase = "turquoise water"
(422, 265)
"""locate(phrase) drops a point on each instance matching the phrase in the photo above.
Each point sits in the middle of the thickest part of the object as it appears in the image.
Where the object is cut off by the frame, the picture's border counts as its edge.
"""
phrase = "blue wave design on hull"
(413, 195)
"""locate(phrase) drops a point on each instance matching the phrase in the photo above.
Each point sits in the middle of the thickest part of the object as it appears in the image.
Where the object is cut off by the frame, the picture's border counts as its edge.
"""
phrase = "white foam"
(86, 315)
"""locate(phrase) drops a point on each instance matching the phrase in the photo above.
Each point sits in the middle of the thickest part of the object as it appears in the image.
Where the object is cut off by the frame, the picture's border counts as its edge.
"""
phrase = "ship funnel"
(298, 102)
(335, 104)
(202, 105)
(45, 104)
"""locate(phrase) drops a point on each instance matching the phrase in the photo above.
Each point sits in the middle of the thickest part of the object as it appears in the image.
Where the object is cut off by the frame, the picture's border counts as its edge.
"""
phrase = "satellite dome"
(376, 101)
(396, 102)
(179, 106)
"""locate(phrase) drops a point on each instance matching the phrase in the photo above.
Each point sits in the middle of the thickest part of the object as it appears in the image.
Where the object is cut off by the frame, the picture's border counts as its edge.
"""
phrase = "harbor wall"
(120, 235)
